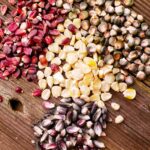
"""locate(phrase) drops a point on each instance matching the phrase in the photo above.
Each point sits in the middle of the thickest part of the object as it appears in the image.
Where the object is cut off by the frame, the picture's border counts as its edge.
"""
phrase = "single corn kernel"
(85, 90)
(60, 27)
(49, 56)
(58, 77)
(77, 23)
(54, 47)
(95, 97)
(115, 86)
(62, 55)
(105, 86)
(72, 58)
(106, 96)
(45, 94)
(122, 86)
(40, 75)
(50, 81)
(115, 106)
(73, 39)
(66, 67)
(119, 119)
(42, 83)
(76, 74)
(74, 92)
(129, 93)
(56, 61)
(110, 78)
(56, 91)
(90, 62)
(47, 71)
(65, 93)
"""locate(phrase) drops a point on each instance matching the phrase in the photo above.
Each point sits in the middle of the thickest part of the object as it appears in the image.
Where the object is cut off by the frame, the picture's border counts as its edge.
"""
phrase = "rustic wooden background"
(133, 134)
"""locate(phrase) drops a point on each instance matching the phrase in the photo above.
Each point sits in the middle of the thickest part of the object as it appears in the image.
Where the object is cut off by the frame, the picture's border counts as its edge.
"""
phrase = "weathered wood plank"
(133, 134)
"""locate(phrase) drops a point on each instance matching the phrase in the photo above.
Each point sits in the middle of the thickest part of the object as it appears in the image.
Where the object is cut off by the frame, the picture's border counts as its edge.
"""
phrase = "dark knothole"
(16, 105)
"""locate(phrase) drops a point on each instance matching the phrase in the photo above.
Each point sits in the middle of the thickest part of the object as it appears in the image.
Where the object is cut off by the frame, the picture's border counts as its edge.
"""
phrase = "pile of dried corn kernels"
(75, 49)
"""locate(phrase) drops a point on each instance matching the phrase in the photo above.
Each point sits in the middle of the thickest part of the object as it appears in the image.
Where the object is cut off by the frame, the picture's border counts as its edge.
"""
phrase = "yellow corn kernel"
(129, 93)
(96, 84)
(95, 97)
(88, 78)
(90, 62)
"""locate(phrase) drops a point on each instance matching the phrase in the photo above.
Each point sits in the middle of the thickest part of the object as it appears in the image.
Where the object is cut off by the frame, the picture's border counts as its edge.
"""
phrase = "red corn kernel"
(34, 60)
(72, 28)
(52, 2)
(6, 49)
(3, 9)
(27, 51)
(66, 41)
(43, 60)
(1, 33)
(12, 2)
(49, 40)
(54, 32)
(6, 73)
(1, 22)
(12, 27)
(48, 17)
(2, 56)
(1, 99)
(20, 32)
(32, 33)
(32, 70)
(26, 59)
(11, 69)
(55, 68)
(17, 74)
(37, 92)
(19, 90)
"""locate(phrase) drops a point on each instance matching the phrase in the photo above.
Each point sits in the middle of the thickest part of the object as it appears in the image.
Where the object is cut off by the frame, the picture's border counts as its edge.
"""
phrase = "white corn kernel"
(40, 75)
(42, 83)
(67, 33)
(67, 23)
(78, 35)
(119, 119)
(54, 47)
(110, 78)
(73, 39)
(68, 48)
(45, 94)
(115, 86)
(85, 90)
(77, 23)
(72, 58)
(56, 91)
(106, 96)
(47, 71)
(66, 67)
(105, 86)
(76, 74)
(65, 93)
(60, 27)
(74, 92)
(49, 56)
(115, 106)
(62, 55)
(58, 77)
(50, 81)
(56, 60)
(122, 86)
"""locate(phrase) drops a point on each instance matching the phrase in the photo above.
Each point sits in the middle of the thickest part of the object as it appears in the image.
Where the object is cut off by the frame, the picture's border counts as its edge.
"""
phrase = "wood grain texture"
(133, 134)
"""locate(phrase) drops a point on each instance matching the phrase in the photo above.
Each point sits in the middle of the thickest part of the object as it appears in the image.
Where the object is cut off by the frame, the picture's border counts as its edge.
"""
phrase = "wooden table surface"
(133, 134)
